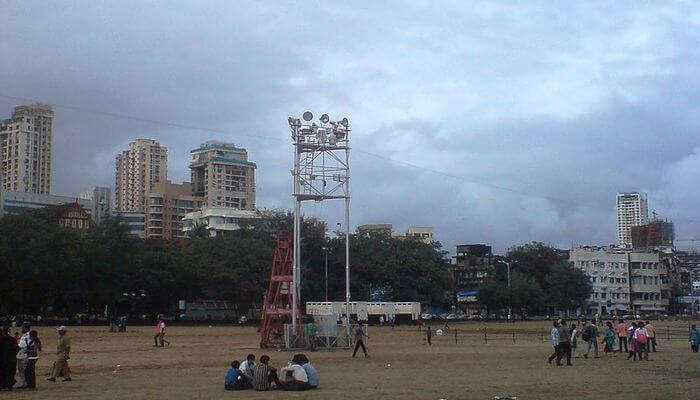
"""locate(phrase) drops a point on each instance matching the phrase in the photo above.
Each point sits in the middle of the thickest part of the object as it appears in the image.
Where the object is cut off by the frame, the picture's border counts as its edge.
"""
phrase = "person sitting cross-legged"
(264, 375)
(311, 372)
(294, 375)
(235, 379)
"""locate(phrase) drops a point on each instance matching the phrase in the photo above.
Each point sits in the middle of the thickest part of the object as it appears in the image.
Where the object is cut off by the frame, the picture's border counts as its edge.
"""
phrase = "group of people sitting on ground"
(297, 375)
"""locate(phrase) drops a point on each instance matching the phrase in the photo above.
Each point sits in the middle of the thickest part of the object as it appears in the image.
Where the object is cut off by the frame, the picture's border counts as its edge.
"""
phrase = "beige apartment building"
(223, 176)
(138, 170)
(25, 149)
(422, 233)
(166, 206)
(632, 210)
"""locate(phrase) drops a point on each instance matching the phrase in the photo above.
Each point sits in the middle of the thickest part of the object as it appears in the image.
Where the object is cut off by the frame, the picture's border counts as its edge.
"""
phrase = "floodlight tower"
(321, 172)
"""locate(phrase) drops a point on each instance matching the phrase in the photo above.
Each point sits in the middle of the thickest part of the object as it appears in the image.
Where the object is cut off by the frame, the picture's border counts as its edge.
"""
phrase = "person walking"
(609, 338)
(429, 336)
(22, 360)
(554, 336)
(311, 334)
(622, 334)
(564, 343)
(60, 366)
(33, 349)
(694, 338)
(8, 359)
(590, 335)
(651, 335)
(359, 340)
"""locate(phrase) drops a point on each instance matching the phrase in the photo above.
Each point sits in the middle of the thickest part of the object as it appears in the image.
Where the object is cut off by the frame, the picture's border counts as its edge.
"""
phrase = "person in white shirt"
(641, 337)
(248, 367)
(22, 359)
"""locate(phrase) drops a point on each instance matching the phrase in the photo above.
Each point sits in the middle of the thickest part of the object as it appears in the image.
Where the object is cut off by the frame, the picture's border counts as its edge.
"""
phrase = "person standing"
(33, 349)
(609, 338)
(622, 334)
(642, 340)
(429, 336)
(575, 331)
(554, 335)
(591, 338)
(564, 343)
(694, 338)
(22, 360)
(311, 334)
(631, 341)
(160, 333)
(651, 335)
(359, 340)
(60, 367)
(8, 359)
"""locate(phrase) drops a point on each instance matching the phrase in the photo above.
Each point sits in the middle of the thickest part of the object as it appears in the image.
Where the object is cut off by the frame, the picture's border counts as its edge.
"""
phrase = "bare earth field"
(193, 367)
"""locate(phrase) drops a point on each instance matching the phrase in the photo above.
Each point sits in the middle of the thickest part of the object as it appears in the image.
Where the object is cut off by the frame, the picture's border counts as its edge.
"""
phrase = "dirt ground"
(400, 366)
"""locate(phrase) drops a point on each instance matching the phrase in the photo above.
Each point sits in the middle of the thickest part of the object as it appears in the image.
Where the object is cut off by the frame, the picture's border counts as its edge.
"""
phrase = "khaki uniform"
(60, 367)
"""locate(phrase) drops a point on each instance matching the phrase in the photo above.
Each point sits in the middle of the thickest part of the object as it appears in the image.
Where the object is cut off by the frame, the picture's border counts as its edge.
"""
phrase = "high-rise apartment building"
(223, 176)
(166, 205)
(25, 149)
(138, 170)
(632, 211)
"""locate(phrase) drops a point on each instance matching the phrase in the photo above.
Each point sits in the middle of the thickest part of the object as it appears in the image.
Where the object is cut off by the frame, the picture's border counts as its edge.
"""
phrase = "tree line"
(51, 270)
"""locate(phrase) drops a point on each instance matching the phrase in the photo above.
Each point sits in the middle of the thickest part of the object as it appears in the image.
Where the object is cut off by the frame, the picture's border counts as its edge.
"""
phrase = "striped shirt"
(261, 381)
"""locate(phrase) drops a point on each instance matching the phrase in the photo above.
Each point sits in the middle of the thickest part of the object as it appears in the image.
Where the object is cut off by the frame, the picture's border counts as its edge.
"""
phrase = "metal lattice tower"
(278, 298)
(321, 172)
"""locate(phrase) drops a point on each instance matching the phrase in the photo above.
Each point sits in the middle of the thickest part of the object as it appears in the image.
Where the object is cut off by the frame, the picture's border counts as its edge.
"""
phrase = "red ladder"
(277, 309)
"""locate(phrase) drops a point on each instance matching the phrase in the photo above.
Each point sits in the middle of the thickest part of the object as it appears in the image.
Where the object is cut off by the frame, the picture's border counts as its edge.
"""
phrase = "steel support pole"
(297, 239)
(326, 280)
(347, 239)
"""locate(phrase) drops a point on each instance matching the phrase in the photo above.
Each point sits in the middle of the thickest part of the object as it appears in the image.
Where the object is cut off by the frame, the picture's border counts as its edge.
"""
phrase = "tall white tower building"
(25, 149)
(632, 210)
(138, 170)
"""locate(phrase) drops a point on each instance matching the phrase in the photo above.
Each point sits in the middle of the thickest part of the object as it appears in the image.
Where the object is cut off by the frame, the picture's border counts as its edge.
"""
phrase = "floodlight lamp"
(308, 116)
(325, 118)
(345, 122)
(291, 121)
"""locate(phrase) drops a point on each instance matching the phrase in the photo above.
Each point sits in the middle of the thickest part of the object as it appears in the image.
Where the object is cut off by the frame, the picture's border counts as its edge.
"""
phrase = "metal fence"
(329, 335)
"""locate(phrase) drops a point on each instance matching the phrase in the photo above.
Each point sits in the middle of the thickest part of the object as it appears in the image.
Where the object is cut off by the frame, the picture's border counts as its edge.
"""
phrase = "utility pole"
(508, 272)
(325, 249)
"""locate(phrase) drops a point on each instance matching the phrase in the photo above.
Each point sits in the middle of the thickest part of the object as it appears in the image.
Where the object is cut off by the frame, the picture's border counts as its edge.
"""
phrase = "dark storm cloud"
(507, 123)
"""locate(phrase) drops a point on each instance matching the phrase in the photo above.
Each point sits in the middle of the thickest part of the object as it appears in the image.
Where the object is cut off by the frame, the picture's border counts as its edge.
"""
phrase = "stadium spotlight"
(344, 122)
(325, 118)
(308, 116)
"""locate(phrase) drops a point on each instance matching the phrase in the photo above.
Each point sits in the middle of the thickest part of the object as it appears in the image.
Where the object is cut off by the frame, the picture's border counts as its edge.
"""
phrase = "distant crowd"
(296, 375)
(637, 339)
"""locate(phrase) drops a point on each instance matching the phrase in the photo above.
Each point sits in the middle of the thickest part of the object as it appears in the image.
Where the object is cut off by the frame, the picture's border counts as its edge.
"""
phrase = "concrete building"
(135, 221)
(101, 202)
(623, 281)
(223, 176)
(654, 234)
(13, 202)
(632, 210)
(473, 263)
(25, 149)
(138, 170)
(166, 206)
(218, 220)
(368, 229)
(71, 215)
(423, 233)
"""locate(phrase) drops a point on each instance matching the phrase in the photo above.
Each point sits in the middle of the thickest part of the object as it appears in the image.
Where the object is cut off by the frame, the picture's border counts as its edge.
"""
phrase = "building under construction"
(655, 234)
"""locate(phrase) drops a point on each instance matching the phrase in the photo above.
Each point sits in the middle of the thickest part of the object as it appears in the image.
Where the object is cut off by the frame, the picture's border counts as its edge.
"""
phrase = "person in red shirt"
(160, 333)
(622, 334)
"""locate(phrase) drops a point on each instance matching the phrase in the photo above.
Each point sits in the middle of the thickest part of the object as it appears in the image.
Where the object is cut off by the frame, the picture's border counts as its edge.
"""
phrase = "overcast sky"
(496, 124)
